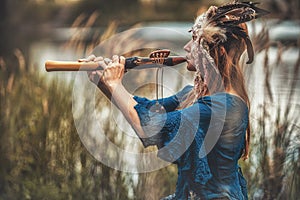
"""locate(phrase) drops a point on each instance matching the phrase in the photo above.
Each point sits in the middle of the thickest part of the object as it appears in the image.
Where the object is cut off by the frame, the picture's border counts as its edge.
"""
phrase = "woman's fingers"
(88, 59)
(113, 69)
(95, 76)
(121, 64)
(115, 59)
(91, 58)
(102, 64)
(122, 60)
(99, 58)
(107, 61)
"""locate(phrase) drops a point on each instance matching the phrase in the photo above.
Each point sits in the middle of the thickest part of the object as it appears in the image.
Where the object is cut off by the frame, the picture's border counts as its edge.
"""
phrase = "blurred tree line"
(22, 22)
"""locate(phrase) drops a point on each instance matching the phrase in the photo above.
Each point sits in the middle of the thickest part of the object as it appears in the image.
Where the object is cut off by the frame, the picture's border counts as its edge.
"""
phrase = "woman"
(204, 128)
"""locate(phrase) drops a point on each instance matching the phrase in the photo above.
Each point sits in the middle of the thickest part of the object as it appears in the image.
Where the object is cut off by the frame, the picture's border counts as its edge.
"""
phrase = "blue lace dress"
(205, 140)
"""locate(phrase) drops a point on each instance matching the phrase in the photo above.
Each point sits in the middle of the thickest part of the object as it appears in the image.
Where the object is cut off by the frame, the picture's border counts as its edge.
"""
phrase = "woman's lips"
(190, 66)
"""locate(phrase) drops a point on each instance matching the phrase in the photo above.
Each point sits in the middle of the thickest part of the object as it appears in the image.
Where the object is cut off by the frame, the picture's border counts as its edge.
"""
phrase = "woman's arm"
(125, 102)
(109, 81)
(95, 76)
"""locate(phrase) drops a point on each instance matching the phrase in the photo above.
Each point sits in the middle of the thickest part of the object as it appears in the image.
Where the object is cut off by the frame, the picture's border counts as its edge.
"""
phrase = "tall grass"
(274, 165)
(42, 155)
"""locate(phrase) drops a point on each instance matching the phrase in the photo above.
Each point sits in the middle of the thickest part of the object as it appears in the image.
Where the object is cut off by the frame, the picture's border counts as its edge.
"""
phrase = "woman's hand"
(94, 76)
(113, 71)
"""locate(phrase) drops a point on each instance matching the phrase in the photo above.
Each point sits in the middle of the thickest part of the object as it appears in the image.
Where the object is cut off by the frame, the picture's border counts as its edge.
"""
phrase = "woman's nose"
(187, 47)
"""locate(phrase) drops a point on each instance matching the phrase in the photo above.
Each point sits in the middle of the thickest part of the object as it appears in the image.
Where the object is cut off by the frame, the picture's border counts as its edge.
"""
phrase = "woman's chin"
(190, 67)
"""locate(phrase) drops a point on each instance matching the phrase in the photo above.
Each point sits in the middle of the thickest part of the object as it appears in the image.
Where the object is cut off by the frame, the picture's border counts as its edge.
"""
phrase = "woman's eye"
(194, 37)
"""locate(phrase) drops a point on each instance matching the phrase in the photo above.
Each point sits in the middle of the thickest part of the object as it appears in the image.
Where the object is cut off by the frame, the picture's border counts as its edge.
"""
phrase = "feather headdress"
(215, 26)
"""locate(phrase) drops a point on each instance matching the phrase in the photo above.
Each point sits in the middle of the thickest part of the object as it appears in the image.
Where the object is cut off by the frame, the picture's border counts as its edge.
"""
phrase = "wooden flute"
(130, 63)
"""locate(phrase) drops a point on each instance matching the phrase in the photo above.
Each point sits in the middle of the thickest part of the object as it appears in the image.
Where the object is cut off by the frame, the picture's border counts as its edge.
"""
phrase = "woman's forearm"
(104, 90)
(125, 102)
(109, 82)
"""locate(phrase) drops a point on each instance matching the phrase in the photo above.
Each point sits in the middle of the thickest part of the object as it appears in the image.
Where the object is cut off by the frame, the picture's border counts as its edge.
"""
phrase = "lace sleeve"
(179, 135)
(176, 129)
(169, 103)
(154, 124)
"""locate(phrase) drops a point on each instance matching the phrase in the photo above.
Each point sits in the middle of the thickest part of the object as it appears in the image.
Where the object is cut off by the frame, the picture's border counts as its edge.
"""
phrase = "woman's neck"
(232, 91)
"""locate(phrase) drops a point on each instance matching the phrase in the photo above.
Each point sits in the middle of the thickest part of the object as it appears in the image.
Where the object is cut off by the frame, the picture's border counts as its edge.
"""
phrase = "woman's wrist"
(112, 87)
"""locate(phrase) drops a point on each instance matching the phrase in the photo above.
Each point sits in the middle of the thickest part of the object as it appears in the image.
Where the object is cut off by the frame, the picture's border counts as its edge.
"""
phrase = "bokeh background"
(41, 154)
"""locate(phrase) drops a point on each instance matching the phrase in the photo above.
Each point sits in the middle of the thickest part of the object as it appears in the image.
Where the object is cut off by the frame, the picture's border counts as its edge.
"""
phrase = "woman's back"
(223, 158)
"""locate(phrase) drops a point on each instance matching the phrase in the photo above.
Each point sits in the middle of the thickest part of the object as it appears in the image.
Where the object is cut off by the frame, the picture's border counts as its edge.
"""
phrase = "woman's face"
(190, 59)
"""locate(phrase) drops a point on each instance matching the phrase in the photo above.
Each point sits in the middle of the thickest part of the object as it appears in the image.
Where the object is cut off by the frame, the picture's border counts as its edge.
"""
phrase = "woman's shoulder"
(224, 99)
(186, 89)
(235, 105)
(183, 92)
